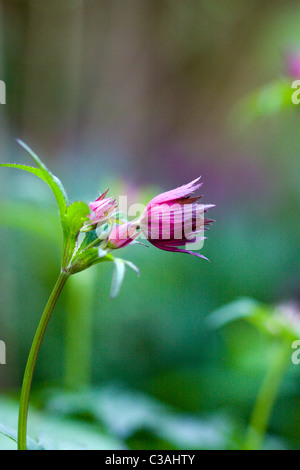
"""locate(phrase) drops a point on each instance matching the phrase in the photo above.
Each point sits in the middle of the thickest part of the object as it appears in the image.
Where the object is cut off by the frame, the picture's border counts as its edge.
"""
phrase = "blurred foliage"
(53, 433)
(266, 102)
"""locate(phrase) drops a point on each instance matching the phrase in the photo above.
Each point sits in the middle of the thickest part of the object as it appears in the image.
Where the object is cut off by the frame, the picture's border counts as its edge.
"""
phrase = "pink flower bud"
(102, 208)
(122, 235)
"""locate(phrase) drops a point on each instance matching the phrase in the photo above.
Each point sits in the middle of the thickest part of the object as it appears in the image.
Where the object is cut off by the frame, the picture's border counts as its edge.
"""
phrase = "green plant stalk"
(31, 362)
(266, 397)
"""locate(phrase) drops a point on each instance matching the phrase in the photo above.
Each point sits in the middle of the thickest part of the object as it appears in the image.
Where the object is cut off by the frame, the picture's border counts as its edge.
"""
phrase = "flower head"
(175, 219)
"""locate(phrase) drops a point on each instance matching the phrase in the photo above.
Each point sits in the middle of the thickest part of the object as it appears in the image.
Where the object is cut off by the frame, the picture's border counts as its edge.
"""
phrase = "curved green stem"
(266, 397)
(27, 380)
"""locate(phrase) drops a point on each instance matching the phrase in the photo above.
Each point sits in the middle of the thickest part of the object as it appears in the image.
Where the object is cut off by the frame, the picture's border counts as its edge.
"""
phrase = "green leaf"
(8, 432)
(72, 222)
(36, 171)
(72, 216)
(53, 433)
(268, 319)
(12, 434)
(43, 175)
(125, 413)
(54, 183)
(239, 309)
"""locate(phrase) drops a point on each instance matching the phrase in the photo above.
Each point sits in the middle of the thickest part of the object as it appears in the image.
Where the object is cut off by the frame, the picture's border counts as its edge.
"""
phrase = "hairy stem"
(27, 380)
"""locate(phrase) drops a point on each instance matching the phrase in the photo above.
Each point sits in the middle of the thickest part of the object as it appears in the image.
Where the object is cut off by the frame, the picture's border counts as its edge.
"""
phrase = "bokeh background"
(142, 96)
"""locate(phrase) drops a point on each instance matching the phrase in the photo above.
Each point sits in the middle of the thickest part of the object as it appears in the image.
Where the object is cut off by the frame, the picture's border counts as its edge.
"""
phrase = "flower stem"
(27, 380)
(266, 397)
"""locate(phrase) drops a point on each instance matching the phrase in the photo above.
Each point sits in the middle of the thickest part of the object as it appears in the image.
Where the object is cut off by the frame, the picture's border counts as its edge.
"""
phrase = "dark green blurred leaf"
(126, 412)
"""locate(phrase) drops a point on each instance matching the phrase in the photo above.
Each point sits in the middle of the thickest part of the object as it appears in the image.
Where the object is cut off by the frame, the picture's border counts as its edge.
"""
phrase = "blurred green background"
(142, 96)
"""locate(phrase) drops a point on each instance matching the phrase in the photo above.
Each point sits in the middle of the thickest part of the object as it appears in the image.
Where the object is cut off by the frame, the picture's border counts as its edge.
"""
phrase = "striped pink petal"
(178, 193)
(122, 235)
(173, 219)
(101, 208)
